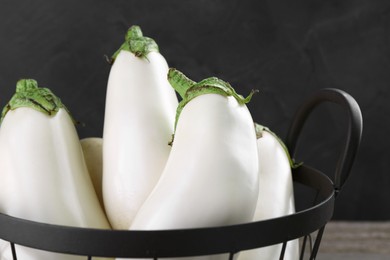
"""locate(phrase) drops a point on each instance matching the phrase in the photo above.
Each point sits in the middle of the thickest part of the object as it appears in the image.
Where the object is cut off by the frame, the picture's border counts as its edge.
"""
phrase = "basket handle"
(355, 127)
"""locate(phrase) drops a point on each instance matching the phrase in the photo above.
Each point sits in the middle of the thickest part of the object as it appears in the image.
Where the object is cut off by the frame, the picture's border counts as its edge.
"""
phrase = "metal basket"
(212, 240)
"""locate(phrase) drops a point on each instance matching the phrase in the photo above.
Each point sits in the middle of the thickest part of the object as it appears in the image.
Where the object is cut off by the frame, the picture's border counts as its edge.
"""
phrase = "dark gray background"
(286, 49)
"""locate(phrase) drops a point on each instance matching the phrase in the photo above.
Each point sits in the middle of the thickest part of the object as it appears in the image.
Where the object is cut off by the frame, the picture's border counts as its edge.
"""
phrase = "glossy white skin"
(276, 197)
(44, 177)
(4, 249)
(138, 125)
(211, 175)
(93, 155)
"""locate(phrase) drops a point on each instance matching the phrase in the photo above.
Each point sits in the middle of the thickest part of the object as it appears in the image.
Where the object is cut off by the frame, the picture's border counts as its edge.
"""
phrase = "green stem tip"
(180, 82)
(189, 89)
(28, 94)
(136, 43)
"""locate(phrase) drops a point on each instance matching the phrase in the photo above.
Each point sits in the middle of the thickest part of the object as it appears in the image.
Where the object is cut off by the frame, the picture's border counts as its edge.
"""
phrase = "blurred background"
(286, 49)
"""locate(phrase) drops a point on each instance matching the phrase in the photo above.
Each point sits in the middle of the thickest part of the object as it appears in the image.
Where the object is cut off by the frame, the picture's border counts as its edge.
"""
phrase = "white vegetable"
(211, 175)
(92, 150)
(276, 195)
(138, 125)
(43, 174)
(4, 249)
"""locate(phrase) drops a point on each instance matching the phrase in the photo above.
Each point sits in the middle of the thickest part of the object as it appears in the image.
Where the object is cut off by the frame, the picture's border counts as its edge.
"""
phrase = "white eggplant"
(92, 150)
(43, 174)
(276, 194)
(211, 177)
(4, 250)
(138, 125)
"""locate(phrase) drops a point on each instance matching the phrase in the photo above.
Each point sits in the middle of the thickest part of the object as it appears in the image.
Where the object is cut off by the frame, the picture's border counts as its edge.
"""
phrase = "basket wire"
(230, 240)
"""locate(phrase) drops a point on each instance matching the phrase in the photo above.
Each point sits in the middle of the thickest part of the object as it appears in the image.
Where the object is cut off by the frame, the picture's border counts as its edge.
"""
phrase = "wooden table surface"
(356, 240)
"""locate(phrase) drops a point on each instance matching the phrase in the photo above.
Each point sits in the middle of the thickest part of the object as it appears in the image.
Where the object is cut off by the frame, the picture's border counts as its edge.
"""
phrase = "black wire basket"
(307, 224)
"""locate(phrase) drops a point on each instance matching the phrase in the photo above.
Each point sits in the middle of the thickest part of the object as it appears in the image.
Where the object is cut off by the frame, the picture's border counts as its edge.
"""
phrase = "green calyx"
(259, 133)
(136, 43)
(189, 89)
(28, 94)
